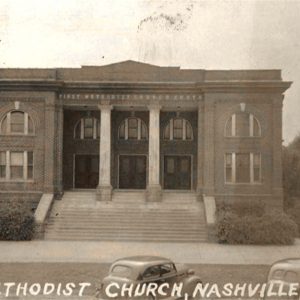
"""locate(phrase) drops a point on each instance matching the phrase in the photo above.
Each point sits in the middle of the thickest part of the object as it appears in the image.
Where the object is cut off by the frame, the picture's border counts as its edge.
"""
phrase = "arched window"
(178, 129)
(87, 128)
(17, 122)
(133, 129)
(242, 124)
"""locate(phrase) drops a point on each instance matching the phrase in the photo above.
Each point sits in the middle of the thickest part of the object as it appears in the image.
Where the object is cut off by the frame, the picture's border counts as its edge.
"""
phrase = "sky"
(203, 34)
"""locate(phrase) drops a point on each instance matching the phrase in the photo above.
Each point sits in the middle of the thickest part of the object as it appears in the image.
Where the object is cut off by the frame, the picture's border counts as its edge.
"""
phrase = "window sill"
(16, 181)
(243, 137)
(242, 183)
(17, 135)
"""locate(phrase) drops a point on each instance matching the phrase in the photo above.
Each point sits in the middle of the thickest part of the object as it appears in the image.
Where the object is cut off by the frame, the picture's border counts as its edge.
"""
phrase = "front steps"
(78, 216)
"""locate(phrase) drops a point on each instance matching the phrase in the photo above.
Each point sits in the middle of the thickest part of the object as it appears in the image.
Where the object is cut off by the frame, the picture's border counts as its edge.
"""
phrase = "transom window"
(87, 128)
(242, 124)
(178, 129)
(16, 165)
(17, 122)
(133, 129)
(242, 167)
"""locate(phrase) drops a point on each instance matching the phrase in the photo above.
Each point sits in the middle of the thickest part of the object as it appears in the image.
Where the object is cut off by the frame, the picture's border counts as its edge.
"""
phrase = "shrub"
(268, 228)
(16, 224)
(294, 213)
(243, 208)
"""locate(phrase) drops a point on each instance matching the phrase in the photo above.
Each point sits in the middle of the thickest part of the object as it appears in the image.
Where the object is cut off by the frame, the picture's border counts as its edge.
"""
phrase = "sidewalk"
(106, 252)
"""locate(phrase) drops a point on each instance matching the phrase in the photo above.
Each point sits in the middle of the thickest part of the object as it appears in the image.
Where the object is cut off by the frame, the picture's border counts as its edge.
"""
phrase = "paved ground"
(106, 252)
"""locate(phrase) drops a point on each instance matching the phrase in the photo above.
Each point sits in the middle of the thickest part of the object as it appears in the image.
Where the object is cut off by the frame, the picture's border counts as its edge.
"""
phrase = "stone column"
(104, 189)
(209, 145)
(59, 150)
(154, 187)
(50, 141)
(277, 150)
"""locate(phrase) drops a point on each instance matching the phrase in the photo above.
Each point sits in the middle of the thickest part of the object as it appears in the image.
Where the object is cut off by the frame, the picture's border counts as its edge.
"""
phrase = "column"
(59, 150)
(154, 188)
(277, 150)
(104, 190)
(209, 145)
(49, 160)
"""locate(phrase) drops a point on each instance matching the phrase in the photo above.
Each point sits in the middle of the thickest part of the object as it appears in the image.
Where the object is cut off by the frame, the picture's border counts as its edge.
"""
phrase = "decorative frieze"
(97, 96)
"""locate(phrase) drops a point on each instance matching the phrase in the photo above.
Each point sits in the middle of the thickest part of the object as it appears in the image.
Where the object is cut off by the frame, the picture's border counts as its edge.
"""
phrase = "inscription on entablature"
(130, 96)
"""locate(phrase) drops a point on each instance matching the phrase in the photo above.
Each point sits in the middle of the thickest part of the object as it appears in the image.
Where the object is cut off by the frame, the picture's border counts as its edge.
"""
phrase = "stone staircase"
(78, 216)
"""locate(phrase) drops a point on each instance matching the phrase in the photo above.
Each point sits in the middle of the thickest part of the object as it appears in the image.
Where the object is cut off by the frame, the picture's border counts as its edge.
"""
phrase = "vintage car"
(285, 275)
(147, 277)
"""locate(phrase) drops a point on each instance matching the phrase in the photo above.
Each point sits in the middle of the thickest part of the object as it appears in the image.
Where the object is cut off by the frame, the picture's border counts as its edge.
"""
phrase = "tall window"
(133, 129)
(17, 122)
(242, 125)
(178, 129)
(242, 167)
(16, 165)
(87, 128)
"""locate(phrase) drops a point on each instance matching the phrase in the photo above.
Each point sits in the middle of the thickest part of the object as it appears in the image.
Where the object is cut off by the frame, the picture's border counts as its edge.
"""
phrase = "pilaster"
(104, 189)
(154, 187)
(209, 146)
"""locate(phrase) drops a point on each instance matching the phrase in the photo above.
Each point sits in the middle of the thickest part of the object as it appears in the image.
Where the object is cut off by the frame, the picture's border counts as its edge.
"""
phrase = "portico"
(136, 147)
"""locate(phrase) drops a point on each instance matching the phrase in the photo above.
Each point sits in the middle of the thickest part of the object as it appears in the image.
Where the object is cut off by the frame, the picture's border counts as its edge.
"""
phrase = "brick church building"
(132, 126)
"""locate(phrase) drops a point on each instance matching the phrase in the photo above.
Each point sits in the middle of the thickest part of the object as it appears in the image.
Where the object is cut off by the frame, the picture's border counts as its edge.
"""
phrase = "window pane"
(29, 172)
(122, 131)
(167, 132)
(16, 172)
(30, 126)
(256, 172)
(143, 132)
(88, 123)
(88, 133)
(132, 133)
(256, 159)
(2, 171)
(256, 131)
(178, 123)
(177, 134)
(16, 158)
(30, 158)
(229, 159)
(229, 127)
(17, 122)
(242, 124)
(2, 158)
(242, 167)
(189, 134)
(17, 128)
(132, 123)
(228, 174)
(78, 130)
(4, 126)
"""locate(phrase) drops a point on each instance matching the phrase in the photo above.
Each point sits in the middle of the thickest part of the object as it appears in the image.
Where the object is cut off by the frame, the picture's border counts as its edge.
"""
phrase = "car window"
(290, 276)
(121, 271)
(152, 272)
(277, 274)
(167, 268)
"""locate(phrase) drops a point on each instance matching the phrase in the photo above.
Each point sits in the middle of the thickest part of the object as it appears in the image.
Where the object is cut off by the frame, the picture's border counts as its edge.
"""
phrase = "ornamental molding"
(97, 96)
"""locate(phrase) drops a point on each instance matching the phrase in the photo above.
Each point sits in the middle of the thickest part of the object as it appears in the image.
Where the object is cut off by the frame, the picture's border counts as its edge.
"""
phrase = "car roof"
(292, 263)
(142, 260)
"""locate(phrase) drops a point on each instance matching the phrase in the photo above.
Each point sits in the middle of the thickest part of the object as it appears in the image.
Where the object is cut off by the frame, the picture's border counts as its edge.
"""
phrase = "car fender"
(189, 283)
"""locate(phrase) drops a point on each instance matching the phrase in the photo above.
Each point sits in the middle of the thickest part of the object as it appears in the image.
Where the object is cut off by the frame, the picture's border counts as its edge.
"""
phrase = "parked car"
(147, 272)
(285, 273)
